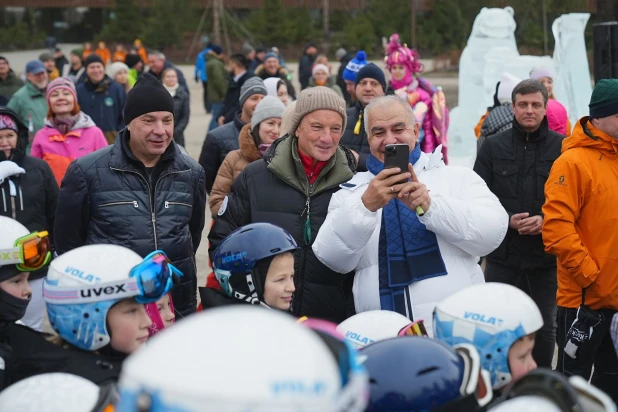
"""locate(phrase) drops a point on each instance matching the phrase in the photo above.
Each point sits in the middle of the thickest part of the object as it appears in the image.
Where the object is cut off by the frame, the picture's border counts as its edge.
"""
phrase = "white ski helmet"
(11, 230)
(490, 316)
(56, 392)
(18, 254)
(368, 327)
(77, 307)
(235, 359)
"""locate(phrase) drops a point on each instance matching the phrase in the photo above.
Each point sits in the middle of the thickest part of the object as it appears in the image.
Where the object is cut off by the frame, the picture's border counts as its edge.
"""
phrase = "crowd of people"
(354, 269)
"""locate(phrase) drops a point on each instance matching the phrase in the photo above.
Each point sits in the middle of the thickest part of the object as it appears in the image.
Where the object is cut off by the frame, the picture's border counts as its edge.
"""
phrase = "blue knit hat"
(354, 66)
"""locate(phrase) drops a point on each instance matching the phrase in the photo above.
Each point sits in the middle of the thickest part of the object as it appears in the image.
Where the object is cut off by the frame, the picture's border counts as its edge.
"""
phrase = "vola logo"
(107, 290)
(479, 317)
(80, 274)
(296, 387)
(353, 336)
(234, 257)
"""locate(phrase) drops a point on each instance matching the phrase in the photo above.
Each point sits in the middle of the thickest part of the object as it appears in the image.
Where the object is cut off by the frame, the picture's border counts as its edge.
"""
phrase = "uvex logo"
(107, 290)
(10, 255)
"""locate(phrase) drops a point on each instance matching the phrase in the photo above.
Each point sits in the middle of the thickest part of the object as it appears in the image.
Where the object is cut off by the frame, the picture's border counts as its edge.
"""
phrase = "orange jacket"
(105, 55)
(119, 56)
(142, 54)
(581, 220)
(477, 129)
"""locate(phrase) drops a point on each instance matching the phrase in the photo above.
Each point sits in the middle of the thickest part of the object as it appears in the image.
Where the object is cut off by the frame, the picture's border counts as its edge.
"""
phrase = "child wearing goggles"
(161, 313)
(15, 266)
(499, 320)
(254, 264)
(95, 299)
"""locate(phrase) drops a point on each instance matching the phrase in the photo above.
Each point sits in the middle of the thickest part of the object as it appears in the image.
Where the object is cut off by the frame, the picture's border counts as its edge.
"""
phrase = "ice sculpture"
(573, 86)
(491, 50)
(493, 27)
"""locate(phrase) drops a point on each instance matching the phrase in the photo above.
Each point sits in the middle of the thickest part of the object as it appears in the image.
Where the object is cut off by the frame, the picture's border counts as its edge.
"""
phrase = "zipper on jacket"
(129, 202)
(4, 200)
(307, 237)
(154, 192)
(150, 197)
(13, 212)
(168, 203)
(21, 199)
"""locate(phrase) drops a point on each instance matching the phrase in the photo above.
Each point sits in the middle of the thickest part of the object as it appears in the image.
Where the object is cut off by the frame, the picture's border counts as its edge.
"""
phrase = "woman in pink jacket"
(427, 102)
(69, 133)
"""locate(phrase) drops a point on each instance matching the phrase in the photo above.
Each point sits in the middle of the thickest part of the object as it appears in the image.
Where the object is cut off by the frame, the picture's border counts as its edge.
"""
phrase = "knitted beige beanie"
(317, 98)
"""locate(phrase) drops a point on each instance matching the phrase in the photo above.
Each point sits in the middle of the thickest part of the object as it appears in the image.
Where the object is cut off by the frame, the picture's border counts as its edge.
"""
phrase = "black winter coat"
(515, 165)
(33, 203)
(108, 197)
(231, 103)
(276, 190)
(182, 111)
(340, 81)
(218, 143)
(356, 142)
(305, 64)
(34, 355)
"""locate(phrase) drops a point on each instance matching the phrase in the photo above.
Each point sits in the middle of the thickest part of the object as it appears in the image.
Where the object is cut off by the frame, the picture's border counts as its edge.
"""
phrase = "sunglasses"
(148, 282)
(31, 252)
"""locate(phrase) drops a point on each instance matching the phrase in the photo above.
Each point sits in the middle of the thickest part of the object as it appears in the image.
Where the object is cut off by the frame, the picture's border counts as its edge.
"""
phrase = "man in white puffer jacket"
(405, 262)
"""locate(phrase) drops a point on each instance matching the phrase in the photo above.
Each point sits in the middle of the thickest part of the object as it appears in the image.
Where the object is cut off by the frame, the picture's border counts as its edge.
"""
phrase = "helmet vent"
(428, 370)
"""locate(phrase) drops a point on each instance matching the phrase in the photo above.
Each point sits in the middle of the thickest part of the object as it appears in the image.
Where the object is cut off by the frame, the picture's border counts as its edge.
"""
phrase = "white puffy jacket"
(465, 215)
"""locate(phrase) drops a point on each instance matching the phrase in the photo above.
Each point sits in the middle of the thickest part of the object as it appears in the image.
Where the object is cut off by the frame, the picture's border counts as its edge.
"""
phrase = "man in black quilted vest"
(141, 192)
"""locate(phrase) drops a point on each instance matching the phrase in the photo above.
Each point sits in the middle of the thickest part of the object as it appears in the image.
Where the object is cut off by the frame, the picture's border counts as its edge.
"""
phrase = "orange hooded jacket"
(581, 220)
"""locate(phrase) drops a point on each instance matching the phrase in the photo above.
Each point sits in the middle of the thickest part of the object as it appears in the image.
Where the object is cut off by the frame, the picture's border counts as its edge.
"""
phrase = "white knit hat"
(319, 67)
(507, 84)
(115, 68)
(537, 73)
(267, 108)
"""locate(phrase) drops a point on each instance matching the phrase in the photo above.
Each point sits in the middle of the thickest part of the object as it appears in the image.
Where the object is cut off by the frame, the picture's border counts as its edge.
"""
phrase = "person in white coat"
(405, 262)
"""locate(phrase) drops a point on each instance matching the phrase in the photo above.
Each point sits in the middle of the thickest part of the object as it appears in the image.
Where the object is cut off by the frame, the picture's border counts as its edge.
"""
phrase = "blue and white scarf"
(408, 252)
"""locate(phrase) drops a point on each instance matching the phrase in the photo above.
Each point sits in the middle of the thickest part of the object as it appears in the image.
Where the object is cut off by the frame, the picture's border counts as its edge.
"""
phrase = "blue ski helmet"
(237, 255)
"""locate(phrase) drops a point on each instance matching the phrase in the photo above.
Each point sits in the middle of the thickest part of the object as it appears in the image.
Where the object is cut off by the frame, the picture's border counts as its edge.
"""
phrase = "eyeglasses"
(148, 282)
(31, 252)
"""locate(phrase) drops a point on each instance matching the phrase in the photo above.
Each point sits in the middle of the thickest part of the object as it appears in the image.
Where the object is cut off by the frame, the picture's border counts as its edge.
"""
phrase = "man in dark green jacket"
(9, 82)
(291, 188)
(217, 82)
(29, 101)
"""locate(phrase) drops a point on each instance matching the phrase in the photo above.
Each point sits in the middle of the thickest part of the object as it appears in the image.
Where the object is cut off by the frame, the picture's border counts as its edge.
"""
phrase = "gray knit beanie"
(317, 98)
(253, 85)
(267, 108)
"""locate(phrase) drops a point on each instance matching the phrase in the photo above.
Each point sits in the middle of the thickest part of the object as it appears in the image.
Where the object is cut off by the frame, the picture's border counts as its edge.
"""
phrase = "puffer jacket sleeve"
(470, 217)
(346, 231)
(73, 211)
(198, 218)
(223, 182)
(181, 123)
(561, 210)
(237, 213)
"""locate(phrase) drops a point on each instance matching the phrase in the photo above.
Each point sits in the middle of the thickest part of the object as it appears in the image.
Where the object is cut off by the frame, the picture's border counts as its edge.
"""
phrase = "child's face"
(17, 286)
(520, 357)
(279, 285)
(128, 325)
(165, 310)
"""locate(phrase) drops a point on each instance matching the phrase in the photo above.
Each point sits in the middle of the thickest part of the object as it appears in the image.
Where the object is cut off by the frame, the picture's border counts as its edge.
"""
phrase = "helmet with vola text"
(490, 316)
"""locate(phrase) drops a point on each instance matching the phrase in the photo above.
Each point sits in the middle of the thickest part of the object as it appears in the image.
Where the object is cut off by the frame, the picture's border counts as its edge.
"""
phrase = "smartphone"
(397, 155)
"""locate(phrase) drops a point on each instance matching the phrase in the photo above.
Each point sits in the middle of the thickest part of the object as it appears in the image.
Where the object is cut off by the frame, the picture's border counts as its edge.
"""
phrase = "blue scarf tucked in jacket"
(408, 252)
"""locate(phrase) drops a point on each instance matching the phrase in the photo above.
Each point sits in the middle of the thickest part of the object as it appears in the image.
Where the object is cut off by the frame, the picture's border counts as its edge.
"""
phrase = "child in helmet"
(284, 367)
(95, 299)
(161, 313)
(499, 320)
(20, 253)
(254, 264)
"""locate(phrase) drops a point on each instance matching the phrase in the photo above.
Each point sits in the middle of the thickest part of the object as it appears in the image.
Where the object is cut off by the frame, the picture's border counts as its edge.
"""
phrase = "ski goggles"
(414, 329)
(572, 394)
(31, 252)
(477, 381)
(148, 282)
